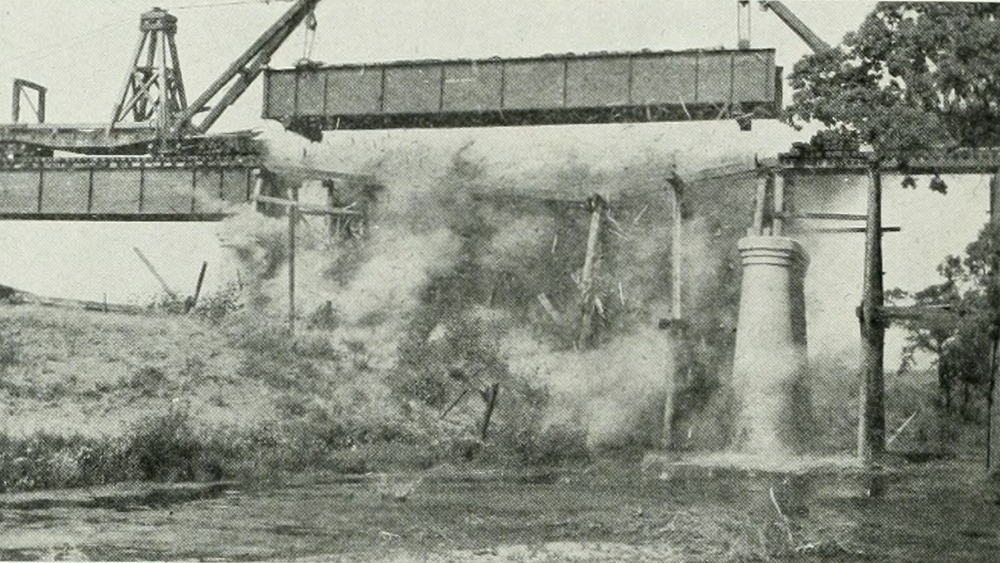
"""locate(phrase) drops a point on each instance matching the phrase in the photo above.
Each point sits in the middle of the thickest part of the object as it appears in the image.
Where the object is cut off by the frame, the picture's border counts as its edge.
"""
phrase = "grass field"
(91, 397)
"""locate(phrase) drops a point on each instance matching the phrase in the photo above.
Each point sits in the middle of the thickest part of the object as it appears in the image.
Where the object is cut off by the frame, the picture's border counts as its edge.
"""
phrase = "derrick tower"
(154, 88)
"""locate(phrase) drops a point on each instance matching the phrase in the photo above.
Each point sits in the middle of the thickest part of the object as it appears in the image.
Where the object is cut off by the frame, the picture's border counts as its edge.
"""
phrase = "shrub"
(217, 306)
(147, 381)
(53, 461)
(165, 448)
(10, 350)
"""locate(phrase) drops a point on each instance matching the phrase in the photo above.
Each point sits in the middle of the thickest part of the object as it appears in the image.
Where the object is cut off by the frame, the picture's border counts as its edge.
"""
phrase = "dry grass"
(179, 397)
(81, 372)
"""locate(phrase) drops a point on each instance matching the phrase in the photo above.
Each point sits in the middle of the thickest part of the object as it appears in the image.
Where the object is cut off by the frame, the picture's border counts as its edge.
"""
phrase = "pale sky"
(80, 50)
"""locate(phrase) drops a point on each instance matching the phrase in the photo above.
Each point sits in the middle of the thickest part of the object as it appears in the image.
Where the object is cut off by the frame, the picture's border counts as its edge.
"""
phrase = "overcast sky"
(81, 49)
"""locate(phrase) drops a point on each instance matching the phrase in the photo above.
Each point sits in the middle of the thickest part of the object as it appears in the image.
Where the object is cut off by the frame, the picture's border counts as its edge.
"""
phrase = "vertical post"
(764, 181)
(743, 24)
(778, 221)
(871, 424)
(258, 189)
(596, 206)
(676, 312)
(15, 104)
(41, 105)
(197, 287)
(490, 395)
(163, 121)
(677, 251)
(293, 216)
(993, 428)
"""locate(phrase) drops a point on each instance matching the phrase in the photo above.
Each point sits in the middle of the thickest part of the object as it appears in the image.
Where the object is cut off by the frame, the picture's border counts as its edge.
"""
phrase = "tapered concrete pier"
(770, 366)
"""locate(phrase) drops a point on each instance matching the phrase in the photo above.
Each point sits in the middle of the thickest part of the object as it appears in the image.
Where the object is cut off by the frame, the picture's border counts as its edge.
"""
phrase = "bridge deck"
(124, 189)
(555, 89)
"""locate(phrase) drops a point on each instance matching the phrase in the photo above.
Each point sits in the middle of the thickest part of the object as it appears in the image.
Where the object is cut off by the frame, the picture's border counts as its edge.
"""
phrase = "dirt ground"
(609, 511)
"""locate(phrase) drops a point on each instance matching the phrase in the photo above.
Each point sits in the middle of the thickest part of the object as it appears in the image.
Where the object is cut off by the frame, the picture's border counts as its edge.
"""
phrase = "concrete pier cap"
(770, 367)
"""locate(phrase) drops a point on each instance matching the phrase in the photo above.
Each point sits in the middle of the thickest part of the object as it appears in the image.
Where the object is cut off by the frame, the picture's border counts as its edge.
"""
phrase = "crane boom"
(798, 26)
(243, 71)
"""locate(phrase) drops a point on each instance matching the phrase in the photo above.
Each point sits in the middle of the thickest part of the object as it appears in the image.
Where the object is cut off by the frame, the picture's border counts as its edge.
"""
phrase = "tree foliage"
(915, 75)
(961, 344)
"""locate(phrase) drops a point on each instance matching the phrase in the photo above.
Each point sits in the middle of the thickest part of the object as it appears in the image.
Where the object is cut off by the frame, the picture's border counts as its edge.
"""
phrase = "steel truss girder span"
(124, 189)
(563, 89)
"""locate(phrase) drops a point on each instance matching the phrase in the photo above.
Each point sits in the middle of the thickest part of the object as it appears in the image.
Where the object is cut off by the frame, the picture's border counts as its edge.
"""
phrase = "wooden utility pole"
(295, 209)
(871, 424)
(677, 250)
(293, 219)
(591, 264)
(676, 192)
(993, 428)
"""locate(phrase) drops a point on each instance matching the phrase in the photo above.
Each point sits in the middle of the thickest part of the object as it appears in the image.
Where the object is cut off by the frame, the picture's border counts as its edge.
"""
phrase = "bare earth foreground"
(607, 512)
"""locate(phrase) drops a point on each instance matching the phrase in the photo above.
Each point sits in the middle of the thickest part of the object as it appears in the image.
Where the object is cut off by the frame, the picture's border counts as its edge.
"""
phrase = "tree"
(914, 76)
(971, 292)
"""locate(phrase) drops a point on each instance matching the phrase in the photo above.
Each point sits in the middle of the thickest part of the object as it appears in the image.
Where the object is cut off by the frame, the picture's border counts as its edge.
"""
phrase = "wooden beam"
(293, 219)
(491, 402)
(871, 423)
(676, 325)
(852, 230)
(309, 173)
(777, 223)
(307, 208)
(591, 264)
(677, 255)
(828, 216)
(917, 312)
(156, 274)
(197, 287)
(764, 182)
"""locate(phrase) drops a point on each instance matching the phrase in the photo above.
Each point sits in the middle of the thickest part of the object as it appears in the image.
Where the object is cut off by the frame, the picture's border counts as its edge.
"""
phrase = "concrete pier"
(770, 365)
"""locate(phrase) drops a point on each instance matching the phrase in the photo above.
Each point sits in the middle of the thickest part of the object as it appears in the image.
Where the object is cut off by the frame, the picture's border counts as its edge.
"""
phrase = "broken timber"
(591, 264)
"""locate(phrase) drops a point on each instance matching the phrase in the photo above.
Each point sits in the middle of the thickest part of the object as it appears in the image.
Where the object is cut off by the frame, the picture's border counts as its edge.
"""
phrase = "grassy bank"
(93, 397)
